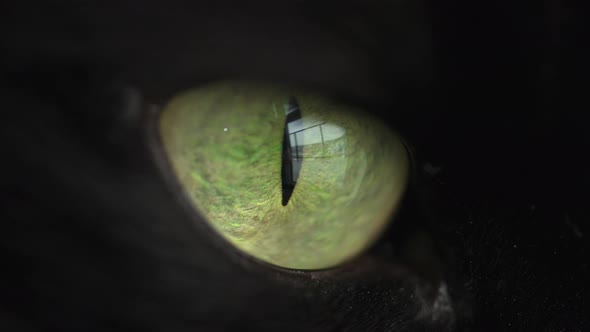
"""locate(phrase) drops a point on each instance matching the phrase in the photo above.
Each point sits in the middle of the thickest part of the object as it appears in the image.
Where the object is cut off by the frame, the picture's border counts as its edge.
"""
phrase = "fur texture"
(96, 234)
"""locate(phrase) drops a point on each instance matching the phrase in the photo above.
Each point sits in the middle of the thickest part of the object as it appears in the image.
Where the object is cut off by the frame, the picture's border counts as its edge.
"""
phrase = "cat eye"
(287, 176)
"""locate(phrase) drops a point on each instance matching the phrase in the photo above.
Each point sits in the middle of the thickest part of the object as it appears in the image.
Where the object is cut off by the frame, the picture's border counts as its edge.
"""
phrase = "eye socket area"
(286, 176)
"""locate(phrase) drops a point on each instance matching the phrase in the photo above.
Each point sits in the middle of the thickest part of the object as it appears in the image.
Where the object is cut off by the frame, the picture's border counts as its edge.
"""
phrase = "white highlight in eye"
(315, 131)
(225, 129)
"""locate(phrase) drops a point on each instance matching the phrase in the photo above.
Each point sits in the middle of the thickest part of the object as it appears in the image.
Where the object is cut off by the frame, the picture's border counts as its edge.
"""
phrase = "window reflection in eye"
(289, 177)
(328, 137)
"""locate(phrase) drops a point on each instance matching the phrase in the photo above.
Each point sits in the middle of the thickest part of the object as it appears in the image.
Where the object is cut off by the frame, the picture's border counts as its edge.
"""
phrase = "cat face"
(100, 235)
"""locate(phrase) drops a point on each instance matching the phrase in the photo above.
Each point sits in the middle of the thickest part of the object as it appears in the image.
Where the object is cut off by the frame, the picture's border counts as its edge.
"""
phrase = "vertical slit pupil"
(292, 152)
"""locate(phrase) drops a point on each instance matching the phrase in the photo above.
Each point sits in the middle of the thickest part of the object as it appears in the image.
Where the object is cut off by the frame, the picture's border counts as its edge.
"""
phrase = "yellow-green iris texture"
(224, 141)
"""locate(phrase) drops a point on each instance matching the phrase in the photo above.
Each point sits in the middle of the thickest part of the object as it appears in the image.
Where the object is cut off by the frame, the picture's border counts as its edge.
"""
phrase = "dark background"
(95, 234)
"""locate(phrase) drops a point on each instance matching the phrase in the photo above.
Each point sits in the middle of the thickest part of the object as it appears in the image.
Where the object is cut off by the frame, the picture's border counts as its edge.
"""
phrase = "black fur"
(97, 235)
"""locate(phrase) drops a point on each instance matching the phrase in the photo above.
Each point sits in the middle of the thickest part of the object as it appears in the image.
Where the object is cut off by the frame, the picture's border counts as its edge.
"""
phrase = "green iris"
(294, 179)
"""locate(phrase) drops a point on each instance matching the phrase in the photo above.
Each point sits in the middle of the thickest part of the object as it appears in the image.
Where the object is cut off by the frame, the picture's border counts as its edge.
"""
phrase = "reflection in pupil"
(292, 155)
